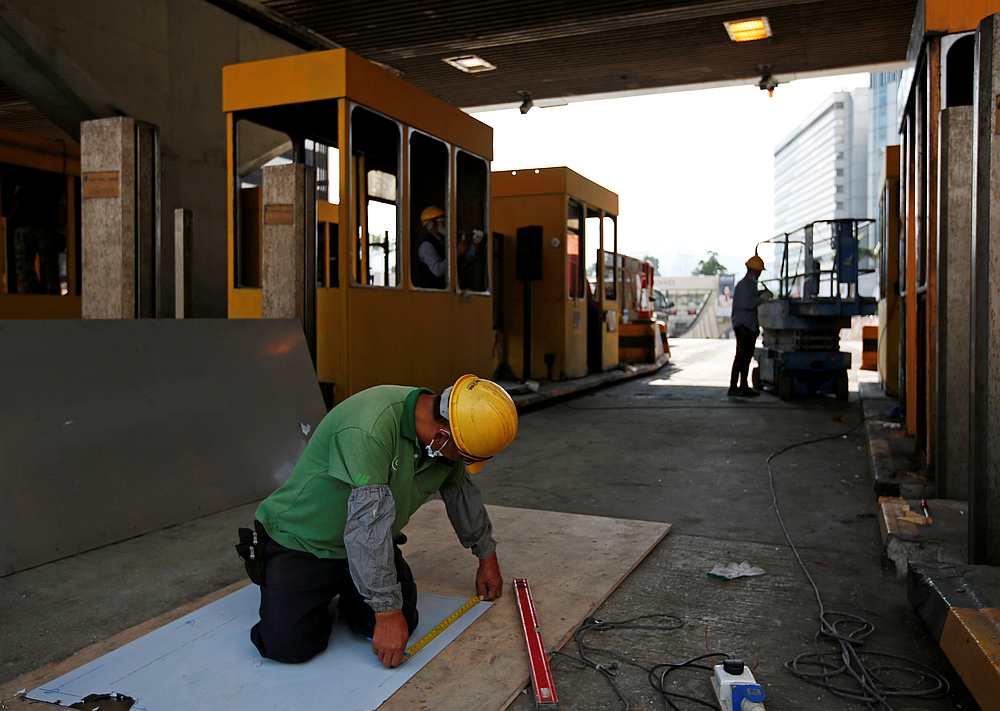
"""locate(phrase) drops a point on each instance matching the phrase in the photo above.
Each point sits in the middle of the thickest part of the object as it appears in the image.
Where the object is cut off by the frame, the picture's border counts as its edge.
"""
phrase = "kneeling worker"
(334, 528)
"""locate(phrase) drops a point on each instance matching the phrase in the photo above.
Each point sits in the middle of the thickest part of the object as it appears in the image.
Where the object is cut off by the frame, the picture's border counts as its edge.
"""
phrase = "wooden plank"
(573, 562)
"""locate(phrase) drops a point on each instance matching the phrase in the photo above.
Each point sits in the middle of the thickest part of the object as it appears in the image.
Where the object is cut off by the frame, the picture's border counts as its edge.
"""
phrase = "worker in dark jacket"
(746, 299)
(335, 526)
(430, 255)
(430, 258)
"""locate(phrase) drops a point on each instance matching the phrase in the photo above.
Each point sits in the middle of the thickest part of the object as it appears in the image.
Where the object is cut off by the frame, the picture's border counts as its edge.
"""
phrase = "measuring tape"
(442, 626)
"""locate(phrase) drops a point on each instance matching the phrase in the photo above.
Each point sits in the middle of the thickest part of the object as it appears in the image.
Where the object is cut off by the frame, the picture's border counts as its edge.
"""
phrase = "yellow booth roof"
(549, 181)
(339, 73)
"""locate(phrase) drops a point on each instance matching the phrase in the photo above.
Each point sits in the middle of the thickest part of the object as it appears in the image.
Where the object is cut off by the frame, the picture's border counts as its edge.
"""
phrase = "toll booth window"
(256, 148)
(375, 142)
(471, 175)
(592, 233)
(429, 237)
(610, 255)
(36, 227)
(326, 160)
(327, 251)
(574, 252)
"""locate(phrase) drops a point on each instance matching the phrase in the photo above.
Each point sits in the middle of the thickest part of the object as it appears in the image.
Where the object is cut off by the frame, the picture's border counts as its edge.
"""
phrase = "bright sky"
(693, 170)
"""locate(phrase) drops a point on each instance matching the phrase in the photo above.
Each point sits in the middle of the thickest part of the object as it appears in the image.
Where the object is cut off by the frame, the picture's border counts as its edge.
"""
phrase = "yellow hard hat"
(481, 417)
(430, 213)
(755, 263)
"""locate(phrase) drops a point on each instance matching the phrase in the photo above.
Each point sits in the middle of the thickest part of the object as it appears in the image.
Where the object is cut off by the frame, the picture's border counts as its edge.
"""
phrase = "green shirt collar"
(408, 425)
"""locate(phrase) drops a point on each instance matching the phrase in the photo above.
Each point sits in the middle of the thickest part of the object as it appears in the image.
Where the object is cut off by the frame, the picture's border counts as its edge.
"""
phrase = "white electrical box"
(735, 687)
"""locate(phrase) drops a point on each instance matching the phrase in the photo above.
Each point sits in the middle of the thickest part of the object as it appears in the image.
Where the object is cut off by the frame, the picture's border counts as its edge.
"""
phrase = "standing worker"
(335, 526)
(746, 299)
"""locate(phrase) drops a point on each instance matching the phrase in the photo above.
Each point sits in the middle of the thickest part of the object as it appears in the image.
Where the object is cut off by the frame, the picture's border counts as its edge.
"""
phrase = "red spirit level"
(541, 674)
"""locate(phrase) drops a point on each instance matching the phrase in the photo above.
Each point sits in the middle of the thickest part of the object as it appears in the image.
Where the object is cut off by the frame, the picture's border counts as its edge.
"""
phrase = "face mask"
(434, 453)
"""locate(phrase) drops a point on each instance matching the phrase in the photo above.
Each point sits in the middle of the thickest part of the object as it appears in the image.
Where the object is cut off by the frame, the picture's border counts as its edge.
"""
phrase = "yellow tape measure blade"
(442, 626)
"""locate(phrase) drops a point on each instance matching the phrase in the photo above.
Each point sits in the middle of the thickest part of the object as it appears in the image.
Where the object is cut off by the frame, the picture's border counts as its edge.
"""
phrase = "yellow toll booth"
(39, 227)
(397, 299)
(557, 217)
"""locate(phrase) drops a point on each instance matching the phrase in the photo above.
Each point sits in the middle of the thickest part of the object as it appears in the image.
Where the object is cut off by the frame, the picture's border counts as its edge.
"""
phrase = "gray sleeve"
(469, 518)
(431, 260)
(371, 511)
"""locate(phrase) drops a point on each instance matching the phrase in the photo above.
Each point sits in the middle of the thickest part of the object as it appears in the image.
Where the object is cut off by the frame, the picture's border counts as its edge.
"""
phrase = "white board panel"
(205, 660)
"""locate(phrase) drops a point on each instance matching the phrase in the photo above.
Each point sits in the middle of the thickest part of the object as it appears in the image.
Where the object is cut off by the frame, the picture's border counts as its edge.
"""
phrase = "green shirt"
(369, 439)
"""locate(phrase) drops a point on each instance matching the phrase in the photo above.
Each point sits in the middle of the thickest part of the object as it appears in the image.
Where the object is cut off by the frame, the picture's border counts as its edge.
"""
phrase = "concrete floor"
(670, 447)
(673, 447)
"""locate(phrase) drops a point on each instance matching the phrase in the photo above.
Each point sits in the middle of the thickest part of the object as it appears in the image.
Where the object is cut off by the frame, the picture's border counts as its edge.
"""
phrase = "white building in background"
(829, 166)
(821, 168)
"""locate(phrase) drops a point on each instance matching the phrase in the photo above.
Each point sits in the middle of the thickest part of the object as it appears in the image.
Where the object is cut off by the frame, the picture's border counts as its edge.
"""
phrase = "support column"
(288, 244)
(984, 494)
(909, 294)
(183, 240)
(119, 163)
(933, 108)
(953, 297)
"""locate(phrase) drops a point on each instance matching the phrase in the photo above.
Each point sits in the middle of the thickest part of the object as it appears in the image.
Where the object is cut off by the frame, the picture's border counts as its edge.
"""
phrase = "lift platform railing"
(821, 260)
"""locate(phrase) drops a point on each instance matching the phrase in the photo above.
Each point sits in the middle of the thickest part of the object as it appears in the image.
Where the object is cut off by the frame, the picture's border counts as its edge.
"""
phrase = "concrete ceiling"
(561, 50)
(567, 49)
(19, 114)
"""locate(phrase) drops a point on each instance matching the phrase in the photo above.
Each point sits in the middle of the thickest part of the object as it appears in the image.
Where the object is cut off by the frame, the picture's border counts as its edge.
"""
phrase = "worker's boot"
(747, 391)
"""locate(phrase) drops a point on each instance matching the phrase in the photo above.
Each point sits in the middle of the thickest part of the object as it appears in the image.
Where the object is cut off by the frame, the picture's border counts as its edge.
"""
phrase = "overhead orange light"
(749, 29)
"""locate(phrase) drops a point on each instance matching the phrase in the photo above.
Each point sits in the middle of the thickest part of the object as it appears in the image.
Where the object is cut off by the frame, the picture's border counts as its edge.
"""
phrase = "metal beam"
(277, 24)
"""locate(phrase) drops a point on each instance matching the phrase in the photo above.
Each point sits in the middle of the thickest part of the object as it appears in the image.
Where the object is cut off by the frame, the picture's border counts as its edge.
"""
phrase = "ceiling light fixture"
(469, 63)
(748, 29)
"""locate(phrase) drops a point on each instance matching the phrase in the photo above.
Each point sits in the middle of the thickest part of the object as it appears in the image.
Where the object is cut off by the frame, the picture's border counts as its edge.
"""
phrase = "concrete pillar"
(984, 487)
(951, 465)
(183, 238)
(288, 246)
(119, 164)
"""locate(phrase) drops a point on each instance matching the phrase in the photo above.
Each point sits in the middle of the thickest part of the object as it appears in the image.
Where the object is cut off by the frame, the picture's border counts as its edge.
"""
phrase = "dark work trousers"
(295, 621)
(746, 341)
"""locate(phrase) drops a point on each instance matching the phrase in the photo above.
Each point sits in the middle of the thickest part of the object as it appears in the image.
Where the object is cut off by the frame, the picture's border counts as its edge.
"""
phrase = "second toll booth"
(362, 202)
(555, 225)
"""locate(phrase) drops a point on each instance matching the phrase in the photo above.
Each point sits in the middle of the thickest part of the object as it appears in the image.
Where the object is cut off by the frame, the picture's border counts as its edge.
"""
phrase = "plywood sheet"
(205, 660)
(572, 563)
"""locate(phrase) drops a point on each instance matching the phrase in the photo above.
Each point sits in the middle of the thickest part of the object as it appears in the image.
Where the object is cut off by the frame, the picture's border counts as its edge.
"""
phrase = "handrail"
(809, 284)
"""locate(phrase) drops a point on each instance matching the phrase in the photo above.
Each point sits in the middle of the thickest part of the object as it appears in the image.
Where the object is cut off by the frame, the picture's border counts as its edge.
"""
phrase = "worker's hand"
(391, 635)
(489, 582)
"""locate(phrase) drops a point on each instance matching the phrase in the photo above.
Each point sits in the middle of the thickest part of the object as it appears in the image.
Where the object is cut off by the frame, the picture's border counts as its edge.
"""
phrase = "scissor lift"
(817, 297)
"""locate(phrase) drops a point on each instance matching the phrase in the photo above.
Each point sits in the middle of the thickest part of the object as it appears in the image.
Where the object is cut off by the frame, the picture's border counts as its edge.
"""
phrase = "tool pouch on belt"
(251, 549)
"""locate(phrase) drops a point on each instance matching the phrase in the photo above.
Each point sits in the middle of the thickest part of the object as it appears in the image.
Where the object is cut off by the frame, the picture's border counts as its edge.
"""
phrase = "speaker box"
(529, 253)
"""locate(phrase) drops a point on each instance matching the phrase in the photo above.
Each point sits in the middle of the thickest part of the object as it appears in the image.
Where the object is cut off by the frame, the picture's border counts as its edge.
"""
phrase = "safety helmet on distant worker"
(755, 263)
(481, 417)
(429, 213)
